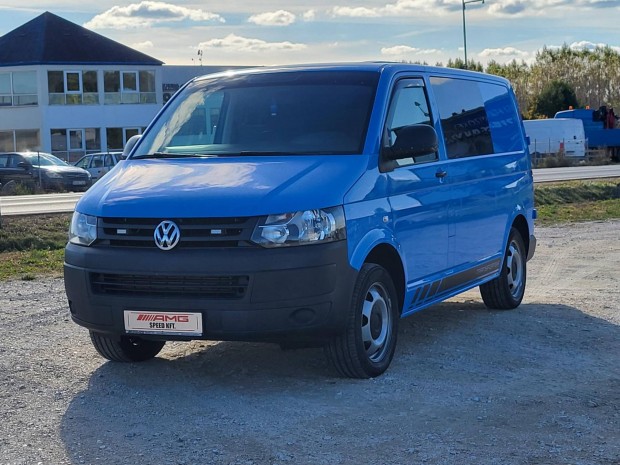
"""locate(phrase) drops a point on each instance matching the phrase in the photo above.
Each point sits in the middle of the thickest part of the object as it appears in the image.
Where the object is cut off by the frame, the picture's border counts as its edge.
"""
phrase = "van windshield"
(310, 112)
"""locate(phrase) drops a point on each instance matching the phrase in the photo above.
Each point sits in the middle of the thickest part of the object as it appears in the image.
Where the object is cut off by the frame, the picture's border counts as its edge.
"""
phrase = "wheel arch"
(520, 224)
(388, 257)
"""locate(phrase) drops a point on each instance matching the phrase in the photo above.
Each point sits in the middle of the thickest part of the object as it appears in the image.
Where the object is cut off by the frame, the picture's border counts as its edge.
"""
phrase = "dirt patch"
(538, 385)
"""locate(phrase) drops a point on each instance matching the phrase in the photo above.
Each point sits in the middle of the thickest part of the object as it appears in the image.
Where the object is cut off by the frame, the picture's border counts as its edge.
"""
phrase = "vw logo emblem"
(167, 235)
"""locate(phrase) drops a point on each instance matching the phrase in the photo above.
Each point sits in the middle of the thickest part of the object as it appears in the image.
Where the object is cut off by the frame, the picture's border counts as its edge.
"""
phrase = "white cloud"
(399, 8)
(147, 14)
(309, 15)
(143, 46)
(496, 8)
(357, 12)
(585, 45)
(274, 18)
(544, 7)
(406, 50)
(503, 52)
(235, 43)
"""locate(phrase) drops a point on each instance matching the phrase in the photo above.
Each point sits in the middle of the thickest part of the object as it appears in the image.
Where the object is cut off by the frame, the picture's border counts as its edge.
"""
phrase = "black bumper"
(293, 293)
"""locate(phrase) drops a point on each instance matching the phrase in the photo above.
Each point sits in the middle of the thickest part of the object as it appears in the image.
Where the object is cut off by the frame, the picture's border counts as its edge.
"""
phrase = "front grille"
(195, 232)
(211, 287)
(76, 175)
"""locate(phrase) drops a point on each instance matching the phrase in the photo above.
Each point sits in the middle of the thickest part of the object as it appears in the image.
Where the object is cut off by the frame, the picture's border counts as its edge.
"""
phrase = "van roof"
(370, 66)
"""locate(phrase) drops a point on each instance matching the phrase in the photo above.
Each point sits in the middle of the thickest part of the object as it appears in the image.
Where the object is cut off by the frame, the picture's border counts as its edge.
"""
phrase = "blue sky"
(267, 32)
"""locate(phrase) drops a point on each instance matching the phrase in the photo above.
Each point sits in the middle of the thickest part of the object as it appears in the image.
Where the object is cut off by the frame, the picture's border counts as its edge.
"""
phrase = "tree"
(555, 96)
(460, 64)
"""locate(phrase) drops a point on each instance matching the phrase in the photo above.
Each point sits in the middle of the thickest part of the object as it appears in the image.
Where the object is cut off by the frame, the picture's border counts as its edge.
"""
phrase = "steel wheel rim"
(376, 322)
(515, 270)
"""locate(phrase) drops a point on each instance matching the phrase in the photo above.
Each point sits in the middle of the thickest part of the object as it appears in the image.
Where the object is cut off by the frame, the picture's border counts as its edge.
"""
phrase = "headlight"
(301, 228)
(83, 230)
(53, 174)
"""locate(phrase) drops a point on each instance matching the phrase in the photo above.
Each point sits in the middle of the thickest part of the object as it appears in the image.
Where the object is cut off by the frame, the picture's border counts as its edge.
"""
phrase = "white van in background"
(556, 136)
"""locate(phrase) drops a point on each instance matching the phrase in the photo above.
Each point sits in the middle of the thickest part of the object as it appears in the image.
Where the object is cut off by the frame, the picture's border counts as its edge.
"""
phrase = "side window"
(83, 163)
(4, 161)
(463, 115)
(409, 106)
(97, 161)
(108, 162)
(15, 160)
(504, 119)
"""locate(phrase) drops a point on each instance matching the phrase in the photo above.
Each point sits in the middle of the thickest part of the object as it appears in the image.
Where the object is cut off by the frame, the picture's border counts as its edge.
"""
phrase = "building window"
(72, 87)
(6, 96)
(129, 87)
(18, 88)
(118, 137)
(72, 144)
(21, 140)
(147, 87)
(7, 141)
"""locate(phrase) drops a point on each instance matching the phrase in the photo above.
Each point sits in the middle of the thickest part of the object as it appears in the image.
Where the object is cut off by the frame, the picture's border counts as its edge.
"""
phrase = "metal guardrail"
(37, 204)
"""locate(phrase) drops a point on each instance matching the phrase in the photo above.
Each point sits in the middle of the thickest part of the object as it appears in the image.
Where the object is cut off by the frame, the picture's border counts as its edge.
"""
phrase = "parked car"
(50, 172)
(12, 175)
(98, 164)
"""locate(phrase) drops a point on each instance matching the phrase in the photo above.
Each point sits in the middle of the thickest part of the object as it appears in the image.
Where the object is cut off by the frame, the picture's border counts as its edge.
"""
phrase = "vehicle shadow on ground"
(216, 403)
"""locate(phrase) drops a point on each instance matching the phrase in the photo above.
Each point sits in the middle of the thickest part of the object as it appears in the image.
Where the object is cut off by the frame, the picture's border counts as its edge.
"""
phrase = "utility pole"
(465, 2)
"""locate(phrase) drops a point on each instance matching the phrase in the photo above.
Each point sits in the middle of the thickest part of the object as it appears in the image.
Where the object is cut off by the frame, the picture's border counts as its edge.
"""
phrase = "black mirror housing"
(412, 141)
(131, 143)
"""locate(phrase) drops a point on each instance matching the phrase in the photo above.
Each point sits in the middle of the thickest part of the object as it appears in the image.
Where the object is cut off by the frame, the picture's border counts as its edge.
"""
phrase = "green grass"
(32, 246)
(572, 201)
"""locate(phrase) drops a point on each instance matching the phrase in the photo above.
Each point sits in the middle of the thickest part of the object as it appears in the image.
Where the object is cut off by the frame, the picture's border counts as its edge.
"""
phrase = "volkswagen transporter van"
(306, 205)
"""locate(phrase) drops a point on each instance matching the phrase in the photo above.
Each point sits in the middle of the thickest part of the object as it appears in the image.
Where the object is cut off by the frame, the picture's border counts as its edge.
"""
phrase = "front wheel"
(125, 348)
(366, 347)
(506, 291)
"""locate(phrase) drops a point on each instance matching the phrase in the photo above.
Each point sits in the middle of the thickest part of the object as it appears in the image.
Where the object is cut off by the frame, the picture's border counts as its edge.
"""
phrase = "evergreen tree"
(556, 96)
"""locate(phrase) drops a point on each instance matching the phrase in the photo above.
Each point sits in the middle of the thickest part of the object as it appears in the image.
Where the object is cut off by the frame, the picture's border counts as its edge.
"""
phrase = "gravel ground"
(538, 385)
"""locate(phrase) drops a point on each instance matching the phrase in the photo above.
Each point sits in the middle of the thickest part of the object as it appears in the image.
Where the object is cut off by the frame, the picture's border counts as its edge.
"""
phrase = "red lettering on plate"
(164, 318)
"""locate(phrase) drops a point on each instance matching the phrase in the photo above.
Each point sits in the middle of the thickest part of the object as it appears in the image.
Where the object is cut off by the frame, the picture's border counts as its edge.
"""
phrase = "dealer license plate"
(167, 323)
(79, 183)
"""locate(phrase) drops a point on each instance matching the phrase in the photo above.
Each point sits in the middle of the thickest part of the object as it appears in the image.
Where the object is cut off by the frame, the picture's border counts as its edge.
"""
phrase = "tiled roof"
(50, 39)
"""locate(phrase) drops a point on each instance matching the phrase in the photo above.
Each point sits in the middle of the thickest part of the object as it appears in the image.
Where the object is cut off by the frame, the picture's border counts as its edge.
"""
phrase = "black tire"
(506, 291)
(366, 347)
(125, 348)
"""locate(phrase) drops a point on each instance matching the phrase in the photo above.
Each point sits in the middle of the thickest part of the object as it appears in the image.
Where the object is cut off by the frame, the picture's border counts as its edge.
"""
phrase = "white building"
(67, 90)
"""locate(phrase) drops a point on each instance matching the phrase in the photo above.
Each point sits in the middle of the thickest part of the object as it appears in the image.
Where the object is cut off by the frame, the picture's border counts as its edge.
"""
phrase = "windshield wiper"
(250, 153)
(173, 155)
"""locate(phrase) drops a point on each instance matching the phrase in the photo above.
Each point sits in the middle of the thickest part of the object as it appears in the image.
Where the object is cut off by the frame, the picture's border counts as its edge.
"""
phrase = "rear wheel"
(506, 291)
(366, 348)
(125, 348)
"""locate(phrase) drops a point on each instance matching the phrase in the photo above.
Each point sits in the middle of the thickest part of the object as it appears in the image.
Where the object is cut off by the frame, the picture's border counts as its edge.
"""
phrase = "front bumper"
(293, 293)
(62, 184)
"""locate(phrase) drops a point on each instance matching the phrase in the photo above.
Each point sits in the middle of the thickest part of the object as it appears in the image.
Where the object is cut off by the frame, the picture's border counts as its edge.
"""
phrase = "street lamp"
(465, 2)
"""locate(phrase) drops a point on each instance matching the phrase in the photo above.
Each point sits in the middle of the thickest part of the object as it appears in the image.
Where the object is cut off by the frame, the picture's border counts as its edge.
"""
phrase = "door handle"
(441, 174)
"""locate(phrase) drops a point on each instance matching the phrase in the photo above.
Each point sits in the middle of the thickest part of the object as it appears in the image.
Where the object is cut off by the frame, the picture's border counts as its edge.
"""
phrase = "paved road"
(59, 203)
(576, 172)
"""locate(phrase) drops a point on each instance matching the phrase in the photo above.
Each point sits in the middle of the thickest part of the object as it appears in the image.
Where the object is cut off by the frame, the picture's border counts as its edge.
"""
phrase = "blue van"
(306, 205)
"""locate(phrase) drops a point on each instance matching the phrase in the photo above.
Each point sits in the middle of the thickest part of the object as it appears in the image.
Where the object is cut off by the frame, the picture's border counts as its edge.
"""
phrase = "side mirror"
(412, 141)
(24, 165)
(131, 143)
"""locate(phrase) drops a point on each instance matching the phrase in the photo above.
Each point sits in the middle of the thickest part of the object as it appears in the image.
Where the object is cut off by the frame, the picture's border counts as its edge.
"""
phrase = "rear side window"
(477, 118)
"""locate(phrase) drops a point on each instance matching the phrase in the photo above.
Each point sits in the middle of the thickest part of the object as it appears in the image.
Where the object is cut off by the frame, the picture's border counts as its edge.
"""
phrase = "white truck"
(556, 136)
